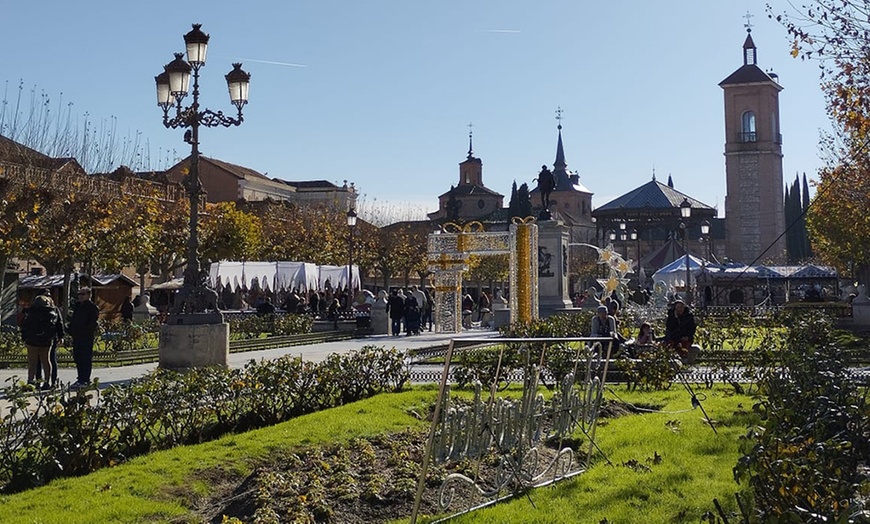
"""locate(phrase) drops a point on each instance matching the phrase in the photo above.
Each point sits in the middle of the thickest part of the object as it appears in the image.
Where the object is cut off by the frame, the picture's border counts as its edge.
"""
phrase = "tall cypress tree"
(800, 225)
(789, 231)
(805, 205)
(512, 203)
(524, 201)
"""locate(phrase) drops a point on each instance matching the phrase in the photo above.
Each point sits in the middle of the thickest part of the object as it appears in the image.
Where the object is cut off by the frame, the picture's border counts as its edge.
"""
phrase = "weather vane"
(748, 24)
(559, 116)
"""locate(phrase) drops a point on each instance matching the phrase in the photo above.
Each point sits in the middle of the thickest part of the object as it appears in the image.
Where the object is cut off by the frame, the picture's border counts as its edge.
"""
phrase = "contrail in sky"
(287, 64)
(500, 31)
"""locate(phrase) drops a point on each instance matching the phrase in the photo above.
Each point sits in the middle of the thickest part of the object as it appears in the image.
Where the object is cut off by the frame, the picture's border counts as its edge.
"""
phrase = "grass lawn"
(665, 467)
(694, 466)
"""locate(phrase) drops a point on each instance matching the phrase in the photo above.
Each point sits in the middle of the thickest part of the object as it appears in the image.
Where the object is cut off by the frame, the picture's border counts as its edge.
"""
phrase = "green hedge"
(60, 434)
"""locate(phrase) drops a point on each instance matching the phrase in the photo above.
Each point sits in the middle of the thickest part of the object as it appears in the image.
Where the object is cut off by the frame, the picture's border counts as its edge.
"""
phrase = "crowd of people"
(410, 309)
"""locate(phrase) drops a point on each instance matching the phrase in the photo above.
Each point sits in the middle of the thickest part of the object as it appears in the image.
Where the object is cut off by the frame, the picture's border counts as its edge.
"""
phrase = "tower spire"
(559, 164)
(750, 53)
(470, 149)
(561, 175)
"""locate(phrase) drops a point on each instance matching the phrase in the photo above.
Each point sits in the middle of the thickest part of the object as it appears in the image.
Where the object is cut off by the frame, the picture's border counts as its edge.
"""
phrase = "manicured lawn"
(694, 466)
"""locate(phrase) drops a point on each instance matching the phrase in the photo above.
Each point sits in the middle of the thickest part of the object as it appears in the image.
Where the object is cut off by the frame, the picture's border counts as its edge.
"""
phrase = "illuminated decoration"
(524, 270)
(616, 266)
(449, 250)
(524, 439)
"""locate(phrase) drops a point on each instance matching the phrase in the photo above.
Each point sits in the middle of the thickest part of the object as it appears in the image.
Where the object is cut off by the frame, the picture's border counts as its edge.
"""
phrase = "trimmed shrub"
(64, 434)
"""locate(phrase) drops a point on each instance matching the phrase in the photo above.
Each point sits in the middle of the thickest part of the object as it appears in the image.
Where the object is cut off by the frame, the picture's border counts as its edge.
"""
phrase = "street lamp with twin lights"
(686, 213)
(172, 87)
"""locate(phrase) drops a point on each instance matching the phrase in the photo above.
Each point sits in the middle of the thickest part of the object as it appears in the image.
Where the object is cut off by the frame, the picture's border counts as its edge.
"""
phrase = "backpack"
(40, 327)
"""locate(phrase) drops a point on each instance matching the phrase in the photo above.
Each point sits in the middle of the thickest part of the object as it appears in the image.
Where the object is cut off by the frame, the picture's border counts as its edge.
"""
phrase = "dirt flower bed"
(367, 480)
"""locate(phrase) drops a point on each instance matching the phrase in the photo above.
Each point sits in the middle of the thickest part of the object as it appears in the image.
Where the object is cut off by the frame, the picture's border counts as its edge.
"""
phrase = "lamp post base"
(191, 319)
(191, 345)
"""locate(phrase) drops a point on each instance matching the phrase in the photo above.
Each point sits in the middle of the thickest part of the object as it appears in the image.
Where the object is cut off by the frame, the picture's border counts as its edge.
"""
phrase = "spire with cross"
(470, 149)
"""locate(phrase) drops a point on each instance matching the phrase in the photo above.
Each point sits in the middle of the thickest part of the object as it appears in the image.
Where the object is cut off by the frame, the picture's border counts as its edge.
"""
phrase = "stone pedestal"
(500, 317)
(552, 267)
(191, 342)
(861, 310)
(380, 320)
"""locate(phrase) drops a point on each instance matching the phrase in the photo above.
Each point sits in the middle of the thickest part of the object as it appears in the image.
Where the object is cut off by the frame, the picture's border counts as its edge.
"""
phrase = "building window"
(481, 204)
(747, 128)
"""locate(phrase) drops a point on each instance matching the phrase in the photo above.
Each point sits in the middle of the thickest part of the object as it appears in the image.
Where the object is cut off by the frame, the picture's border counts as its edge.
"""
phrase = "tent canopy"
(674, 274)
(299, 276)
(664, 255)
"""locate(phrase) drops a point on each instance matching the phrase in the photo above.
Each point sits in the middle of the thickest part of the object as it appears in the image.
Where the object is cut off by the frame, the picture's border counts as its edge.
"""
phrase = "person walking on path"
(83, 329)
(396, 310)
(51, 376)
(40, 328)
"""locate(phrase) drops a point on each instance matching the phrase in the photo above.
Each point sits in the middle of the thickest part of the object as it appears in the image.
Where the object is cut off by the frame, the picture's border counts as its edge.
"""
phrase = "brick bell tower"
(754, 210)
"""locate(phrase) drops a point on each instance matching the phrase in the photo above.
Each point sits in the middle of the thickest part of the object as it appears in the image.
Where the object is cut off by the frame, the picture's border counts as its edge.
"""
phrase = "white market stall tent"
(337, 277)
(286, 275)
(674, 274)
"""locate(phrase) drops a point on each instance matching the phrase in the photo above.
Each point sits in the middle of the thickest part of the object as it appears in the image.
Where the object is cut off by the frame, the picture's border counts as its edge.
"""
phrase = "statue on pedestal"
(546, 184)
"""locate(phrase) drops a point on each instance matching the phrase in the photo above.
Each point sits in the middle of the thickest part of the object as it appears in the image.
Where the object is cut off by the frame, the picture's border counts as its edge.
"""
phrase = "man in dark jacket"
(83, 329)
(680, 328)
(396, 310)
(127, 308)
(266, 308)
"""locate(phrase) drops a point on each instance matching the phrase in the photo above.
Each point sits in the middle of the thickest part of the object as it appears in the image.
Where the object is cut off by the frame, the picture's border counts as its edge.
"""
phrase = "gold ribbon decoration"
(471, 227)
(520, 221)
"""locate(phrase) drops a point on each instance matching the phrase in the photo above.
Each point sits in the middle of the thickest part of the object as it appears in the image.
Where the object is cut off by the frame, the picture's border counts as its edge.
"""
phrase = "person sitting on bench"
(680, 328)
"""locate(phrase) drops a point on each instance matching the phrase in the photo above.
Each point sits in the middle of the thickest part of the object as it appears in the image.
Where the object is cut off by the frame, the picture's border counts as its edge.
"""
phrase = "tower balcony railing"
(747, 137)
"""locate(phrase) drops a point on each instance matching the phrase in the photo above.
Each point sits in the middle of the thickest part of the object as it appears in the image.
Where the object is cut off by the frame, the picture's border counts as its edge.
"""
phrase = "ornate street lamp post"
(623, 236)
(636, 238)
(708, 238)
(172, 87)
(686, 213)
(705, 237)
(351, 225)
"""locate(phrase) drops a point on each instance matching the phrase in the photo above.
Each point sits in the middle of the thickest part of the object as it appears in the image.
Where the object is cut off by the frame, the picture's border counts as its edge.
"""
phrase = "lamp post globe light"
(172, 87)
(686, 213)
(636, 239)
(705, 233)
(351, 224)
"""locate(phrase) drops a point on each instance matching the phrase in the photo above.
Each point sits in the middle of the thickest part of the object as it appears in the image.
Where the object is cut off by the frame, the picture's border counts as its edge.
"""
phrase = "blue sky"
(381, 92)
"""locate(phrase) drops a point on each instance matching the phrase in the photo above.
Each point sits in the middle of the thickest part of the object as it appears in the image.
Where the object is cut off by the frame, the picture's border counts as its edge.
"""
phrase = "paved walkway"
(312, 352)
